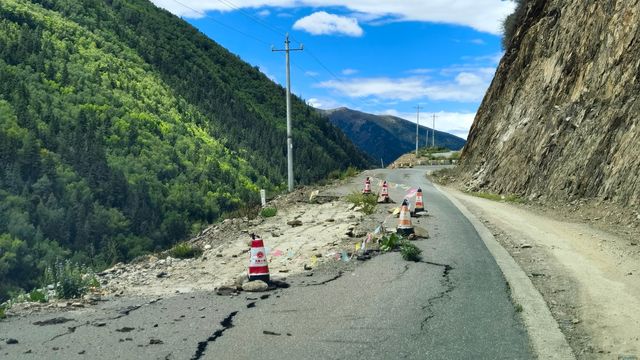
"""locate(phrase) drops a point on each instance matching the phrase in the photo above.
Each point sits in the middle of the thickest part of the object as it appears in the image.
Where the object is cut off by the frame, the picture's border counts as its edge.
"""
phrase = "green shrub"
(350, 172)
(94, 283)
(70, 279)
(38, 296)
(268, 212)
(250, 211)
(390, 242)
(185, 251)
(511, 23)
(410, 251)
(2, 314)
(368, 202)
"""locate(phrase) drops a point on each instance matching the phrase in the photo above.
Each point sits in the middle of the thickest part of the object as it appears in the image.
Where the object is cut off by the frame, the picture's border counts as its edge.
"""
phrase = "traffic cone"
(258, 266)
(384, 194)
(404, 221)
(367, 186)
(419, 204)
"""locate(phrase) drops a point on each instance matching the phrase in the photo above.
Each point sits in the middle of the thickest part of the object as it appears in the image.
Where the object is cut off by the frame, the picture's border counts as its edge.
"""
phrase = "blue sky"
(380, 57)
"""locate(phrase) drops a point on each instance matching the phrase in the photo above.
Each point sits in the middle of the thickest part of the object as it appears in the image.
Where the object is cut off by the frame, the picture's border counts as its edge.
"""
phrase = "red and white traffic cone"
(258, 266)
(367, 186)
(404, 221)
(384, 194)
(419, 204)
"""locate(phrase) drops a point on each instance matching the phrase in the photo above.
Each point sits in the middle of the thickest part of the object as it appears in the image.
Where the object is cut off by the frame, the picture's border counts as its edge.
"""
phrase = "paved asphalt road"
(453, 305)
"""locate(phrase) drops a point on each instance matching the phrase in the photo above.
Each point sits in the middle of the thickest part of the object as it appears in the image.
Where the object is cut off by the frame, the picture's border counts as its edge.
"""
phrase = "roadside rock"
(255, 286)
(294, 223)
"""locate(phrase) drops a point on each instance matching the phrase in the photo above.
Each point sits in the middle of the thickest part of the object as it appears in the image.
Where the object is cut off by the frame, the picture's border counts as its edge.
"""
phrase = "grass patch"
(511, 198)
(368, 202)
(344, 174)
(268, 212)
(519, 308)
(185, 251)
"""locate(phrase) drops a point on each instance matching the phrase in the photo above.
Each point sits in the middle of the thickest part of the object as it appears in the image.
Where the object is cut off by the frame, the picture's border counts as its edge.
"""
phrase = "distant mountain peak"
(386, 137)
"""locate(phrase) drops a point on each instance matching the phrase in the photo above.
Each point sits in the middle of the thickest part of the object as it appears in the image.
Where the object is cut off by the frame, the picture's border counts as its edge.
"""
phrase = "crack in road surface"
(326, 281)
(54, 321)
(70, 330)
(227, 323)
(446, 281)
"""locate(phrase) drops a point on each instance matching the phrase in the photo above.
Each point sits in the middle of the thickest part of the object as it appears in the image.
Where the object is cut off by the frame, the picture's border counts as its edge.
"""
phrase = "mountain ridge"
(386, 137)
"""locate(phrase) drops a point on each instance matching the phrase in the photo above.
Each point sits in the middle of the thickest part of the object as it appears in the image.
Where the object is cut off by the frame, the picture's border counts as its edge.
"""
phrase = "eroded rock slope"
(561, 118)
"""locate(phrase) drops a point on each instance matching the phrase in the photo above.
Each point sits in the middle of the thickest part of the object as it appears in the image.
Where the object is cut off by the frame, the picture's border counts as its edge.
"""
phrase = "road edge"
(547, 339)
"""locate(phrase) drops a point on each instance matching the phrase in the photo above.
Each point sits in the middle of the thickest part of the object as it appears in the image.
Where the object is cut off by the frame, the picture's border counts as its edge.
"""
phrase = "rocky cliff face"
(561, 120)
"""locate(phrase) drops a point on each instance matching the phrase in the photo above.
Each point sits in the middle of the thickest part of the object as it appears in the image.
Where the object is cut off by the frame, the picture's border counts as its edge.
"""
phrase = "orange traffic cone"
(367, 186)
(404, 221)
(419, 204)
(384, 195)
(258, 266)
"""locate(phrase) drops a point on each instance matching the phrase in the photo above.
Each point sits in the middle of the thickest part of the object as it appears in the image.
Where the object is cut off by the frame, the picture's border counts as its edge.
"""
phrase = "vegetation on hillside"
(123, 130)
(510, 23)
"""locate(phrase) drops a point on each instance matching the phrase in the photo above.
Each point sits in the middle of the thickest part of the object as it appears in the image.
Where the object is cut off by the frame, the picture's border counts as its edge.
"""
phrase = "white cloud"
(482, 15)
(325, 104)
(463, 84)
(420, 71)
(311, 73)
(348, 72)
(456, 123)
(477, 41)
(316, 103)
(264, 13)
(323, 23)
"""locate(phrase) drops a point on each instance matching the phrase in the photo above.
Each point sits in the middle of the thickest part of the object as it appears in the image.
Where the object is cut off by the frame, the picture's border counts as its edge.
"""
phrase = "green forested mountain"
(387, 137)
(123, 129)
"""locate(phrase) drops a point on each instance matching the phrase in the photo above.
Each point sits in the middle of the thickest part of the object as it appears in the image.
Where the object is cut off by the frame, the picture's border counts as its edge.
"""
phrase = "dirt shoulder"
(589, 278)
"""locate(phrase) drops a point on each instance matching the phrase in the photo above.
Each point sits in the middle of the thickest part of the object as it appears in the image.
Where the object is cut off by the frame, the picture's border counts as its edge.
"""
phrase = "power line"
(266, 25)
(323, 66)
(222, 24)
(258, 21)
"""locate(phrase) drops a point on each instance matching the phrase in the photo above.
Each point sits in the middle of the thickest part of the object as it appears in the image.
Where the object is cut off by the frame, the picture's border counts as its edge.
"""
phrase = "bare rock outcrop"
(561, 120)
